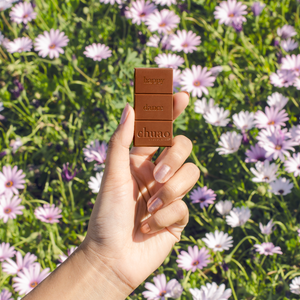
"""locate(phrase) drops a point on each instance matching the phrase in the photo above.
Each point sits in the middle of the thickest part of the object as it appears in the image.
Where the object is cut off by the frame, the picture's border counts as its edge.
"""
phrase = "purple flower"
(256, 153)
(67, 174)
(96, 151)
(203, 196)
(257, 8)
(267, 249)
(237, 25)
(17, 89)
(3, 153)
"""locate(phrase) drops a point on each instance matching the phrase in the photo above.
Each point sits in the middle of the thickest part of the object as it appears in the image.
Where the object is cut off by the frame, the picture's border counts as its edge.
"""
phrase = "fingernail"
(124, 113)
(186, 93)
(161, 174)
(155, 205)
(145, 228)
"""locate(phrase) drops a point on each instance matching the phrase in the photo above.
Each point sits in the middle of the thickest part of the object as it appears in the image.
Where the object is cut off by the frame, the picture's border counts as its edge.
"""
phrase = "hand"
(117, 234)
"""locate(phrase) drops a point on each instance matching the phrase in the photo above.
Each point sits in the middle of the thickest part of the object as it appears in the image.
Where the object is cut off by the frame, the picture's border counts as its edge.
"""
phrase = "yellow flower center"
(185, 45)
(231, 15)
(278, 147)
(52, 46)
(197, 83)
(7, 210)
(271, 123)
(162, 24)
(142, 15)
(33, 284)
(9, 183)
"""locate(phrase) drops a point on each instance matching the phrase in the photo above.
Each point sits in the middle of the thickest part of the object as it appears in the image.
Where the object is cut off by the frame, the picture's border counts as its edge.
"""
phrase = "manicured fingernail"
(145, 228)
(186, 93)
(124, 113)
(155, 205)
(160, 175)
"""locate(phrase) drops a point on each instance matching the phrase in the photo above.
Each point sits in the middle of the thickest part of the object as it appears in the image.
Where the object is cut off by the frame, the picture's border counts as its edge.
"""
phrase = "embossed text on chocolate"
(153, 80)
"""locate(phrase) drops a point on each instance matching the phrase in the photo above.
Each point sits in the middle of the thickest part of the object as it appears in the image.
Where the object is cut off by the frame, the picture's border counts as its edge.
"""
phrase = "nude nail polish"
(157, 204)
(161, 174)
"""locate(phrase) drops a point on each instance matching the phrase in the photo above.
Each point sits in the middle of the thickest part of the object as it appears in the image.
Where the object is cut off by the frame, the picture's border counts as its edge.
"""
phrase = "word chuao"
(153, 80)
(152, 134)
(153, 108)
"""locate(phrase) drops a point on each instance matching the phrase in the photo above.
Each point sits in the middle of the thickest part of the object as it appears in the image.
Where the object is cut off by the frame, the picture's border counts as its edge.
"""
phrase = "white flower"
(216, 70)
(217, 116)
(224, 207)
(230, 142)
(238, 216)
(265, 172)
(278, 100)
(244, 120)
(267, 229)
(218, 241)
(292, 164)
(286, 31)
(295, 286)
(289, 45)
(211, 292)
(295, 133)
(281, 186)
(203, 106)
(95, 182)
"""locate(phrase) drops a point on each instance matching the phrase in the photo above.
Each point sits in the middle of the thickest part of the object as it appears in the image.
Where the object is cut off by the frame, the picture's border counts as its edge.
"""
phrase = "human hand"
(117, 235)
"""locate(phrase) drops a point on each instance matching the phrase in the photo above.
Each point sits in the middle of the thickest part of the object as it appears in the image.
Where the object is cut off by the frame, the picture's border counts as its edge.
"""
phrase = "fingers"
(180, 102)
(171, 159)
(166, 206)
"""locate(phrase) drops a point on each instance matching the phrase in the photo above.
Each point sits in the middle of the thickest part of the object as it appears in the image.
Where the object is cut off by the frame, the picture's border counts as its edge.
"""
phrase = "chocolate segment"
(153, 104)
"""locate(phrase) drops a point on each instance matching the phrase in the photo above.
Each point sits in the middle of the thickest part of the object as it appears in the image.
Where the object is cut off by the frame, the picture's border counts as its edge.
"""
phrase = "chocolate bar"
(153, 105)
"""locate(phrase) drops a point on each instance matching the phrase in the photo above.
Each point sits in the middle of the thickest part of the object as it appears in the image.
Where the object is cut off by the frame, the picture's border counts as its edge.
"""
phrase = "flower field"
(67, 71)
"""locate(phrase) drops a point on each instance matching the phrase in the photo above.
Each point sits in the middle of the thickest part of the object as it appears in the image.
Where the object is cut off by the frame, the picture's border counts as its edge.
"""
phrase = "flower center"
(195, 263)
(162, 293)
(202, 199)
(52, 46)
(299, 167)
(231, 15)
(266, 178)
(142, 14)
(218, 246)
(7, 210)
(33, 284)
(9, 183)
(162, 24)
(261, 158)
(49, 218)
(281, 192)
(184, 45)
(25, 16)
(271, 123)
(197, 83)
(278, 147)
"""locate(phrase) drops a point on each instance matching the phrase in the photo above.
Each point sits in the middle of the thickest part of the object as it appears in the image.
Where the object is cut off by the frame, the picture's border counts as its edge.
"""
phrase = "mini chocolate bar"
(153, 105)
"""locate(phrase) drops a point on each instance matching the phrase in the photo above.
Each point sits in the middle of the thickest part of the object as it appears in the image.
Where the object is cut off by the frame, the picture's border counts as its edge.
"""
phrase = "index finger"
(180, 102)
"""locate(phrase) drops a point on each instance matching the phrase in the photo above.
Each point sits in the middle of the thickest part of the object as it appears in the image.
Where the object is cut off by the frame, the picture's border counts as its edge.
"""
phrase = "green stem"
(186, 60)
(8, 25)
(83, 74)
(263, 260)
(71, 195)
(231, 285)
(198, 164)
(243, 164)
(213, 132)
(187, 277)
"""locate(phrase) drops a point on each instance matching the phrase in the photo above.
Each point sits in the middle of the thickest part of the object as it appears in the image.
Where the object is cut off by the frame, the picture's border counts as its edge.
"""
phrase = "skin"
(117, 254)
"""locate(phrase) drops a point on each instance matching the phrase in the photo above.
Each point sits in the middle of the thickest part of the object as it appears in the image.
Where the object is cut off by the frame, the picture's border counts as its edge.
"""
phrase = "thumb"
(117, 159)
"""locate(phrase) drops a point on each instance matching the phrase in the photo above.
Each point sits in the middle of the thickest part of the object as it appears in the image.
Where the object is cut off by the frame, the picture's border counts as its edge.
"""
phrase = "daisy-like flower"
(272, 117)
(48, 213)
(165, 2)
(286, 32)
(112, 2)
(211, 292)
(277, 100)
(238, 216)
(162, 21)
(195, 258)
(97, 52)
(216, 70)
(257, 8)
(289, 45)
(96, 151)
(295, 133)
(51, 43)
(5, 295)
(224, 207)
(275, 142)
(267, 249)
(139, 11)
(10, 267)
(292, 164)
(218, 241)
(176, 80)
(161, 289)
(67, 174)
(230, 143)
(291, 63)
(185, 41)
(9, 208)
(169, 60)
(196, 80)
(29, 278)
(22, 12)
(281, 186)
(283, 78)
(265, 172)
(5, 4)
(95, 182)
(256, 153)
(217, 116)
(203, 106)
(244, 120)
(11, 180)
(19, 45)
(230, 11)
(295, 286)
(63, 257)
(164, 42)
(297, 83)
(267, 229)
(203, 196)
(153, 41)
(6, 251)
(16, 144)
